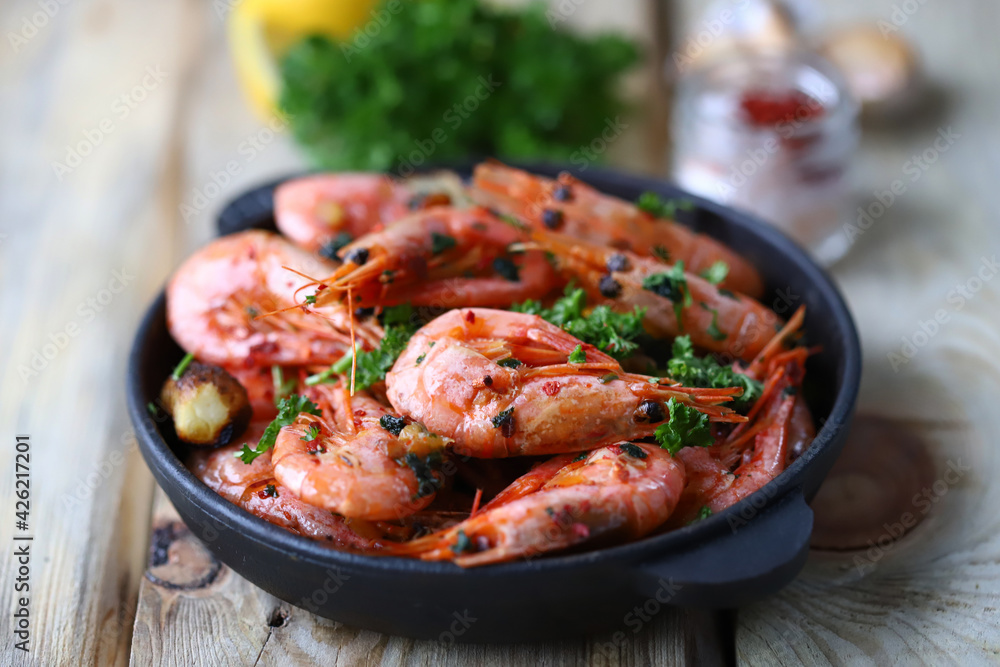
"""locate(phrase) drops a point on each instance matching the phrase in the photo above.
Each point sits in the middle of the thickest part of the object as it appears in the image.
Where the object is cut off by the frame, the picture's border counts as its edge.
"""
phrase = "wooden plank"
(930, 594)
(223, 619)
(85, 246)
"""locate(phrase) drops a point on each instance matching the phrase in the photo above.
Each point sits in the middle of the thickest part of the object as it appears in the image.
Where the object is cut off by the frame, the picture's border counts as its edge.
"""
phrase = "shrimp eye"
(650, 411)
(562, 193)
(358, 256)
(609, 287)
(362, 313)
(552, 218)
(617, 262)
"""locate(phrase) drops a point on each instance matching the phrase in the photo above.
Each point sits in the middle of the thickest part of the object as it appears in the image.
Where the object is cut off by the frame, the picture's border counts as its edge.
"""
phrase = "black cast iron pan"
(730, 559)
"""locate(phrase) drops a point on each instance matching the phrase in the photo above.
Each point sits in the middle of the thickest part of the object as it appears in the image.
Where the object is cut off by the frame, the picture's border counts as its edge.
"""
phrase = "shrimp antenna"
(354, 345)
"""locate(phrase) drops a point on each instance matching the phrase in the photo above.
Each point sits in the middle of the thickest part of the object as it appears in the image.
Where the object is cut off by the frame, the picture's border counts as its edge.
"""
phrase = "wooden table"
(143, 92)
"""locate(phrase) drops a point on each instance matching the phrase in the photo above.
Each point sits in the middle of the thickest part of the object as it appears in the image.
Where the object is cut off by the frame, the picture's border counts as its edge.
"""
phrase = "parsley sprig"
(686, 428)
(671, 285)
(658, 207)
(374, 364)
(608, 331)
(360, 102)
(716, 273)
(288, 411)
(693, 371)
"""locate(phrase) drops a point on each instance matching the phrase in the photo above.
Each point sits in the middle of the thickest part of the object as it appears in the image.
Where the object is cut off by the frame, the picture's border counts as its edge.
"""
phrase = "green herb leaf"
(633, 450)
(424, 468)
(282, 387)
(361, 102)
(288, 411)
(610, 377)
(182, 366)
(311, 299)
(686, 428)
(661, 253)
(713, 328)
(374, 364)
(503, 416)
(611, 332)
(716, 273)
(671, 285)
(392, 424)
(311, 435)
(271, 491)
(462, 543)
(655, 205)
(692, 371)
(577, 356)
(441, 242)
(333, 246)
(507, 269)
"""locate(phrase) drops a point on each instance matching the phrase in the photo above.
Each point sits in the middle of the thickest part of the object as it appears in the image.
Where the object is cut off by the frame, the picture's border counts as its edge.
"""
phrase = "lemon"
(261, 31)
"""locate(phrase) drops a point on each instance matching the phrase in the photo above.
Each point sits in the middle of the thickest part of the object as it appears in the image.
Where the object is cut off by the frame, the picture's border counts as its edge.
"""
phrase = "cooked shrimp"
(219, 303)
(718, 321)
(254, 488)
(622, 491)
(314, 210)
(259, 383)
(574, 208)
(443, 257)
(499, 384)
(363, 471)
(755, 452)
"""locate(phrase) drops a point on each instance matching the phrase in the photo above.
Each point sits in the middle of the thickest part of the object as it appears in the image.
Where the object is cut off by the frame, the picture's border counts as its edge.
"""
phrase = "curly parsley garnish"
(392, 424)
(716, 273)
(671, 285)
(288, 410)
(423, 468)
(608, 331)
(441, 242)
(633, 450)
(311, 434)
(505, 422)
(687, 428)
(578, 356)
(462, 543)
(374, 364)
(658, 207)
(692, 371)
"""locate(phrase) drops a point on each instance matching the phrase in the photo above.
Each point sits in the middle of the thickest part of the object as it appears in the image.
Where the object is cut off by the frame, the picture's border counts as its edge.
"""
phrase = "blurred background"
(865, 129)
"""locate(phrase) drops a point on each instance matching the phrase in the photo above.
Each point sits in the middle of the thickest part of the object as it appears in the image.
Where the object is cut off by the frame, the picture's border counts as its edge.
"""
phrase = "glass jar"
(771, 133)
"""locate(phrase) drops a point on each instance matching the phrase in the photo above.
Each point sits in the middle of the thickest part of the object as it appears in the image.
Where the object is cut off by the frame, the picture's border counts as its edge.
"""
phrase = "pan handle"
(751, 557)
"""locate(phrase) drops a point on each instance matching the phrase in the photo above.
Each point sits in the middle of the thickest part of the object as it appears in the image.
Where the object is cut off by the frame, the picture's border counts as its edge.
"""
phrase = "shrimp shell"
(610, 494)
